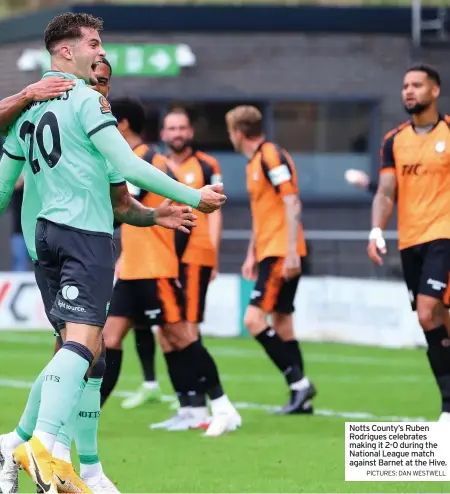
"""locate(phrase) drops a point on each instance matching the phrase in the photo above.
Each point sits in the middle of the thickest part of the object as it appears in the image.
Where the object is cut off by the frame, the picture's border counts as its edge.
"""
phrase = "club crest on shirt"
(105, 107)
(189, 178)
(440, 147)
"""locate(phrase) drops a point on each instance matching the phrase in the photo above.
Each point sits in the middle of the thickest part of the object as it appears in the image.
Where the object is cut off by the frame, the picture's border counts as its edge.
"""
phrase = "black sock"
(296, 353)
(198, 358)
(179, 377)
(439, 358)
(112, 372)
(145, 347)
(281, 354)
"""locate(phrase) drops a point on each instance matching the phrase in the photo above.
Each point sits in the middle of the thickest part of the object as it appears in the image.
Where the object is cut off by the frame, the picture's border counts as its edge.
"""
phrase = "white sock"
(48, 440)
(153, 385)
(299, 385)
(62, 452)
(221, 405)
(89, 471)
(12, 440)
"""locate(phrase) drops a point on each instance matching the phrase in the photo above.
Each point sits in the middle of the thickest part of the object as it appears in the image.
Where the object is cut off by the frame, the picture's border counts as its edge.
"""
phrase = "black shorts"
(153, 302)
(41, 281)
(426, 269)
(195, 280)
(79, 271)
(272, 293)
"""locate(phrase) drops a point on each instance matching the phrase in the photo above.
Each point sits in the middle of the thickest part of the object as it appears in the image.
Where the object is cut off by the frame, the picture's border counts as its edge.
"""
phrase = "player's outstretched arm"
(50, 87)
(115, 149)
(10, 170)
(128, 210)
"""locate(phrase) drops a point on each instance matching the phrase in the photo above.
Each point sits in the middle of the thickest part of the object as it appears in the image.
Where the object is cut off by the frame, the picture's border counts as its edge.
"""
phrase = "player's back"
(70, 174)
(148, 253)
(271, 175)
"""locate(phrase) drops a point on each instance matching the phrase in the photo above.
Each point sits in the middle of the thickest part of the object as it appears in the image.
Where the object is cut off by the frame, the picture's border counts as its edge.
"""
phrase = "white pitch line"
(248, 353)
(17, 384)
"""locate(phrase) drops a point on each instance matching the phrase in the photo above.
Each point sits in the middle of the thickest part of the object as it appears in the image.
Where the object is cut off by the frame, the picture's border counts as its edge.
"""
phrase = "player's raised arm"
(383, 202)
(48, 88)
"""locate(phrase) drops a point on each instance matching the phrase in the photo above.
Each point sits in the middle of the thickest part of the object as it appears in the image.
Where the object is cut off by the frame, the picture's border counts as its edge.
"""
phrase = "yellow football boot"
(67, 480)
(38, 463)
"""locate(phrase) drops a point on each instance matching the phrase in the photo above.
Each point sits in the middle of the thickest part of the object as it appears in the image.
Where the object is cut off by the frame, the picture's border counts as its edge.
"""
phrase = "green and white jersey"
(31, 206)
(69, 174)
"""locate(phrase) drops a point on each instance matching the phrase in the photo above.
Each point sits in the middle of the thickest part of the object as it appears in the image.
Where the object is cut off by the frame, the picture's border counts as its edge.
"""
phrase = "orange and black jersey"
(271, 175)
(421, 163)
(148, 253)
(196, 171)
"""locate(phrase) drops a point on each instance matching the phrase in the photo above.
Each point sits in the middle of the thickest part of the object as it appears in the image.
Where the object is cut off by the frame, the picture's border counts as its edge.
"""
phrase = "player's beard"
(179, 148)
(417, 108)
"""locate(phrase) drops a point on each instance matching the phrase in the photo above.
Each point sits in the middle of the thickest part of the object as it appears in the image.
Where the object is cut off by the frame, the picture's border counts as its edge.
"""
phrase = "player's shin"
(439, 357)
(112, 372)
(86, 433)
(27, 423)
(145, 347)
(61, 390)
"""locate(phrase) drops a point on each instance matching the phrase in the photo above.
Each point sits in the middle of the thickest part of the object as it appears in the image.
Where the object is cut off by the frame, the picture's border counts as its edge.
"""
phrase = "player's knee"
(430, 315)
(282, 323)
(113, 340)
(178, 335)
(255, 320)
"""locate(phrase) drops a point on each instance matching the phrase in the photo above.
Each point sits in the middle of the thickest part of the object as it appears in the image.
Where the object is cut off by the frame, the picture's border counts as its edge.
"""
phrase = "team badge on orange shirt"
(440, 147)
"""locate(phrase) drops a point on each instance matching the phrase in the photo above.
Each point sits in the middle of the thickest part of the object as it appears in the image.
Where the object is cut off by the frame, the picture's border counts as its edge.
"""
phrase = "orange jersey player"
(197, 252)
(148, 293)
(275, 251)
(415, 172)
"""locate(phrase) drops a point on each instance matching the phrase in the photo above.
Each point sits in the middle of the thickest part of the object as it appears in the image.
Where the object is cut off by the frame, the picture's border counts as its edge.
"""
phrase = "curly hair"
(68, 26)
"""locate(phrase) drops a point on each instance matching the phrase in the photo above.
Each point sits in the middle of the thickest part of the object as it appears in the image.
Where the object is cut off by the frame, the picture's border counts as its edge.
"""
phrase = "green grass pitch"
(269, 454)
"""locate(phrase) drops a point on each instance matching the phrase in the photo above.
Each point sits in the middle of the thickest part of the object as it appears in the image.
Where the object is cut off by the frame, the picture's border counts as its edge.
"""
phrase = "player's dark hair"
(131, 110)
(106, 62)
(432, 74)
(68, 26)
(178, 110)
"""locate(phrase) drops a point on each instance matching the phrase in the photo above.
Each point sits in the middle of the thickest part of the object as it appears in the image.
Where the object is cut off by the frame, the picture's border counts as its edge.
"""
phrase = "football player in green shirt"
(126, 210)
(67, 142)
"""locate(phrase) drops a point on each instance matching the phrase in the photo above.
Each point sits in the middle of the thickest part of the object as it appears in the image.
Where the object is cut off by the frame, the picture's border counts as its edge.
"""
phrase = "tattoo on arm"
(384, 200)
(128, 210)
(292, 208)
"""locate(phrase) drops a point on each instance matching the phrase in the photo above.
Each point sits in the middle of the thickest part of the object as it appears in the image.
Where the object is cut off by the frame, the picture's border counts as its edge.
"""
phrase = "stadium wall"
(343, 310)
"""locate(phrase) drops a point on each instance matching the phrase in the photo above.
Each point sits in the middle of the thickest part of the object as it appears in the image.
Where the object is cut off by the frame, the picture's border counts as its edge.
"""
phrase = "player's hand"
(212, 198)
(377, 246)
(249, 269)
(48, 88)
(292, 266)
(358, 178)
(175, 217)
